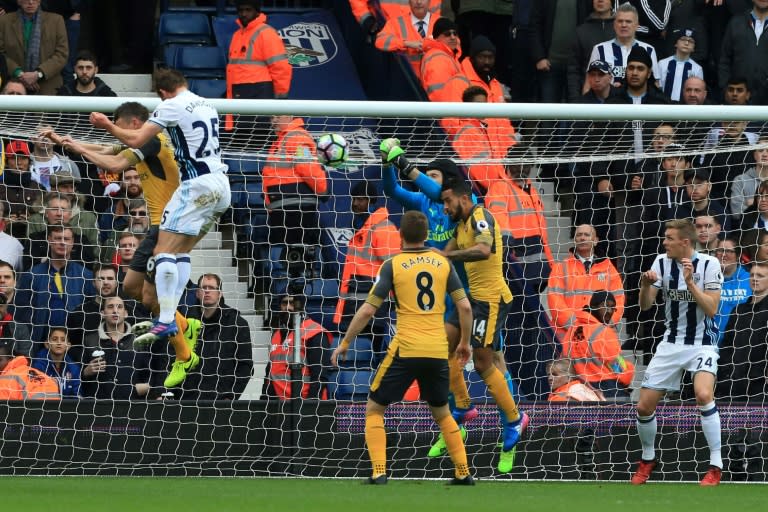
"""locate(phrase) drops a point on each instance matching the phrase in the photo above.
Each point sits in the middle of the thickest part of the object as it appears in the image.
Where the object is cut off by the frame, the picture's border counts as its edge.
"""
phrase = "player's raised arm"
(707, 300)
(131, 138)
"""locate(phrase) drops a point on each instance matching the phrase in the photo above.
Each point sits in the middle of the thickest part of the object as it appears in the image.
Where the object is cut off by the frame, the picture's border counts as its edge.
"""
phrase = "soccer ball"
(332, 149)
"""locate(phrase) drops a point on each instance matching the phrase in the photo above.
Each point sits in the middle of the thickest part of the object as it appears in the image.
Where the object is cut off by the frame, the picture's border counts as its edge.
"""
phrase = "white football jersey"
(616, 56)
(685, 321)
(193, 125)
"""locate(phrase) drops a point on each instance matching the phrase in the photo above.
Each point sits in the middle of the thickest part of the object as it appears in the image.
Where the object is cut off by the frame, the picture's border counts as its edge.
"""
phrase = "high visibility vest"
(291, 175)
(389, 9)
(19, 381)
(257, 54)
(492, 89)
(597, 356)
(574, 390)
(281, 355)
(441, 74)
(571, 288)
(396, 32)
(371, 246)
(526, 222)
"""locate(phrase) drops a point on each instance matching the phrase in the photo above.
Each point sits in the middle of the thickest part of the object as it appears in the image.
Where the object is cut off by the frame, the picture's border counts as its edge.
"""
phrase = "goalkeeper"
(420, 279)
(440, 173)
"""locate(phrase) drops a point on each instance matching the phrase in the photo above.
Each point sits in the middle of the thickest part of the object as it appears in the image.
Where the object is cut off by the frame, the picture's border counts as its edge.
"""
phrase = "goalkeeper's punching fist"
(392, 153)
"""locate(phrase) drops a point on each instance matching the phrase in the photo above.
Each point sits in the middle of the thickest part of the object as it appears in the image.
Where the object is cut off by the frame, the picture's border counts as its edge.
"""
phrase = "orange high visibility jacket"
(595, 351)
(372, 245)
(19, 381)
(390, 9)
(473, 139)
(257, 54)
(571, 288)
(292, 175)
(396, 32)
(493, 88)
(441, 75)
(526, 217)
(574, 390)
(281, 355)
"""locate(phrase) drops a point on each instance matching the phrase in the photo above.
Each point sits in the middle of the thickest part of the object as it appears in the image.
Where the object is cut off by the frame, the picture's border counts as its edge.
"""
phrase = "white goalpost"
(610, 166)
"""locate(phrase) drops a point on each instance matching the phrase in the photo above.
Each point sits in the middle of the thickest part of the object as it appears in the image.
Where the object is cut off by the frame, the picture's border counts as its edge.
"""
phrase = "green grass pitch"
(112, 494)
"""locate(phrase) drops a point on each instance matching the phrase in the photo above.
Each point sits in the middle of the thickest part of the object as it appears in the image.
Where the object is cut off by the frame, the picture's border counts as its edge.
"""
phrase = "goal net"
(581, 194)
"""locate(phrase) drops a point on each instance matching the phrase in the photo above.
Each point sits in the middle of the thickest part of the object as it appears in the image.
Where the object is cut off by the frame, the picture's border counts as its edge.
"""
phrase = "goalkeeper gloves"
(392, 153)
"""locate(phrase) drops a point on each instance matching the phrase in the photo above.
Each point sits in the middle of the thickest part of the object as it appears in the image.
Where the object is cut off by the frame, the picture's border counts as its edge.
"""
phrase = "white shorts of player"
(666, 368)
(197, 204)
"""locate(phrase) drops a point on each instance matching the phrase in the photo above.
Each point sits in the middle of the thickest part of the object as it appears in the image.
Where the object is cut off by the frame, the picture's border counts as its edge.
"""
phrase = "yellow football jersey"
(419, 280)
(158, 172)
(485, 277)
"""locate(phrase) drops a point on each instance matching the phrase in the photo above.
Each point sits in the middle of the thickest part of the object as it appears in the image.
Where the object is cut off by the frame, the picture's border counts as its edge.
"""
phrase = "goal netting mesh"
(624, 171)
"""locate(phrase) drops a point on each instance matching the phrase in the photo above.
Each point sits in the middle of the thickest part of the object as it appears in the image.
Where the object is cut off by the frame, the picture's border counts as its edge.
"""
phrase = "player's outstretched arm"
(478, 252)
(131, 138)
(358, 323)
(463, 350)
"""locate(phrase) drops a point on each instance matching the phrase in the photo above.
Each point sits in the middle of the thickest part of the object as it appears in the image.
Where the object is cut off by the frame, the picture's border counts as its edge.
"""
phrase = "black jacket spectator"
(743, 362)
(127, 365)
(226, 360)
(102, 89)
(593, 31)
(741, 57)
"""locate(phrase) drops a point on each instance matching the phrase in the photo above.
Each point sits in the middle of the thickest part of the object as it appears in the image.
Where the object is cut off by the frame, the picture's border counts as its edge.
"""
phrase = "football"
(332, 149)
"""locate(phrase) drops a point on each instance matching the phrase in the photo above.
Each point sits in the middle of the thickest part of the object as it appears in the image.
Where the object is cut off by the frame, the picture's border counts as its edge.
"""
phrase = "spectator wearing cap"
(676, 69)
(405, 33)
(441, 74)
(596, 28)
(592, 343)
(375, 240)
(82, 221)
(745, 51)
(17, 187)
(599, 83)
(616, 51)
(480, 68)
(553, 23)
(745, 185)
(699, 188)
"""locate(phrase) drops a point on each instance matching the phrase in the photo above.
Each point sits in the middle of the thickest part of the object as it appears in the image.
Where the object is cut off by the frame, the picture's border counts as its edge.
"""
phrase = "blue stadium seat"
(208, 87)
(184, 28)
(200, 61)
(223, 28)
(243, 166)
(351, 384)
(359, 355)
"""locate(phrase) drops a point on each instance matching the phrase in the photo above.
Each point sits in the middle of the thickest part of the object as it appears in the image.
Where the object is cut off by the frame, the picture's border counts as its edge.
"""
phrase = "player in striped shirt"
(616, 51)
(691, 283)
(676, 69)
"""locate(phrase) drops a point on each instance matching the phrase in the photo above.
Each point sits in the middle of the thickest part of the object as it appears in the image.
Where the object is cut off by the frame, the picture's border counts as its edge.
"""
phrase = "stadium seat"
(243, 166)
(184, 28)
(352, 384)
(200, 61)
(223, 28)
(359, 355)
(208, 87)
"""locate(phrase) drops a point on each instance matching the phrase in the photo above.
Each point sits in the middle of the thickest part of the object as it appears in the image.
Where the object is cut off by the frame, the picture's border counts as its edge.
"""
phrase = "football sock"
(184, 266)
(646, 429)
(166, 280)
(497, 386)
(376, 440)
(710, 424)
(513, 391)
(183, 352)
(455, 445)
(458, 385)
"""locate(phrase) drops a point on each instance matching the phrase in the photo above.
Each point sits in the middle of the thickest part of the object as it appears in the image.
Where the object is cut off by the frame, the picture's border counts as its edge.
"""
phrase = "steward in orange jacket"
(400, 34)
(257, 66)
(441, 74)
(593, 346)
(293, 182)
(375, 240)
(574, 280)
(479, 68)
(314, 338)
(19, 381)
(368, 12)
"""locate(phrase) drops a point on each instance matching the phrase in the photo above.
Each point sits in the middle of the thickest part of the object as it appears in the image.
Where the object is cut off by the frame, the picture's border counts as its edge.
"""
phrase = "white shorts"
(670, 360)
(197, 204)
